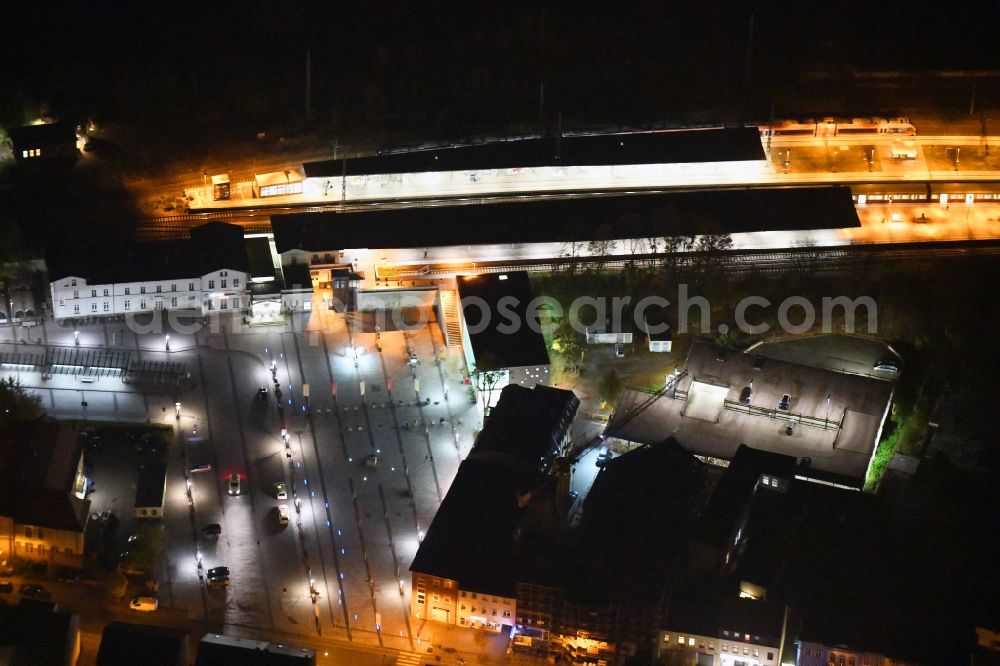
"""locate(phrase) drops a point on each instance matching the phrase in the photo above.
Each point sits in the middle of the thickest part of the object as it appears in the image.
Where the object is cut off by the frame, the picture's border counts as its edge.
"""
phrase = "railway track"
(736, 262)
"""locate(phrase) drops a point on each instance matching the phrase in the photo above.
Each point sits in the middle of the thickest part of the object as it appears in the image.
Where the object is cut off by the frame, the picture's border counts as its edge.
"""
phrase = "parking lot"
(366, 461)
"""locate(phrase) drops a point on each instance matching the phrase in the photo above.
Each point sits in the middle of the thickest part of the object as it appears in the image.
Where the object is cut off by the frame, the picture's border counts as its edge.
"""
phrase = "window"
(158, 289)
(463, 593)
(746, 651)
(211, 284)
(173, 287)
(711, 646)
(29, 547)
(725, 633)
(142, 304)
(462, 620)
(725, 647)
(142, 290)
(691, 641)
(29, 533)
(107, 306)
(127, 305)
(41, 533)
(93, 292)
(463, 607)
(106, 293)
(72, 282)
(222, 284)
(756, 652)
(506, 613)
(223, 273)
(76, 309)
(447, 584)
(680, 640)
(475, 596)
(190, 286)
(76, 294)
(770, 655)
(173, 302)
(236, 282)
(224, 303)
(128, 290)
(93, 307)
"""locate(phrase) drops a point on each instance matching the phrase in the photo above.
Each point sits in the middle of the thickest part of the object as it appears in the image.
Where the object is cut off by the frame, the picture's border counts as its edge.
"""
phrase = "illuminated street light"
(177, 410)
(167, 341)
(76, 337)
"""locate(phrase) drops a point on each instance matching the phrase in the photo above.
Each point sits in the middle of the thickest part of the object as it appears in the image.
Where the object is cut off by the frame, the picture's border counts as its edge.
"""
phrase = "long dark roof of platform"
(577, 219)
(667, 147)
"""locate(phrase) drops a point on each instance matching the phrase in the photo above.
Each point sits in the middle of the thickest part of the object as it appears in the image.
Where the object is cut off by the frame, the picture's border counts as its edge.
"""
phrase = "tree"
(487, 373)
(567, 341)
(610, 386)
(17, 403)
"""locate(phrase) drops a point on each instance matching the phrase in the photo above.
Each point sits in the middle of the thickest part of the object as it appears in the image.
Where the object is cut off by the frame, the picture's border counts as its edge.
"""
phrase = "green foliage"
(610, 386)
(883, 454)
(17, 403)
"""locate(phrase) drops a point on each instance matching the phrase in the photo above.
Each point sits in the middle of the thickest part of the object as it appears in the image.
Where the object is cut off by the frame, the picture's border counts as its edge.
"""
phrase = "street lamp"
(167, 341)
(177, 410)
(76, 338)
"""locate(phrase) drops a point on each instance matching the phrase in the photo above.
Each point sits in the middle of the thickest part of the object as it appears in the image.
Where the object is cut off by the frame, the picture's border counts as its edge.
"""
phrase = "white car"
(282, 514)
(280, 492)
(145, 604)
(234, 484)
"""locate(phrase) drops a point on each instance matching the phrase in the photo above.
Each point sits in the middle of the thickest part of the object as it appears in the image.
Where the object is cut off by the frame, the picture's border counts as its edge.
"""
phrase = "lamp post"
(828, 395)
(177, 411)
(76, 338)
(166, 341)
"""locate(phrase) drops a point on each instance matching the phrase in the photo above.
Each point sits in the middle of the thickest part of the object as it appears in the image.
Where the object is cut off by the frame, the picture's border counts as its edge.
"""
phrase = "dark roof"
(212, 246)
(35, 135)
(576, 219)
(216, 649)
(159, 646)
(667, 147)
(40, 452)
(150, 485)
(710, 617)
(492, 347)
(37, 635)
(57, 509)
(296, 276)
(472, 536)
(641, 503)
(526, 422)
(259, 261)
(735, 487)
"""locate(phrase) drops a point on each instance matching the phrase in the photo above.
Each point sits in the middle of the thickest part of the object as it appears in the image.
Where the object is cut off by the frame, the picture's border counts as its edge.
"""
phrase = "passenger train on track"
(839, 127)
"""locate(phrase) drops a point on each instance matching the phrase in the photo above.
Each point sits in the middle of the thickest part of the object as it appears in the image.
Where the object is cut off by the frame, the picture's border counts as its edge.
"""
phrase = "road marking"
(408, 659)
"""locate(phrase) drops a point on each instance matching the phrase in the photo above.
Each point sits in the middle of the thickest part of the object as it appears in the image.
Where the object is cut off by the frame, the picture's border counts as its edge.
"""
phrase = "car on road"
(234, 484)
(218, 572)
(6, 586)
(200, 467)
(887, 366)
(145, 604)
(745, 395)
(212, 529)
(785, 401)
(372, 461)
(619, 350)
(261, 394)
(282, 514)
(280, 491)
(34, 591)
(603, 457)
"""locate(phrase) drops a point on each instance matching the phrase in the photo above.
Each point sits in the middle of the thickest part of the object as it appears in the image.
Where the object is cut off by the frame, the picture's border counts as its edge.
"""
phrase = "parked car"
(218, 572)
(282, 514)
(34, 591)
(790, 428)
(785, 401)
(280, 492)
(887, 366)
(6, 586)
(200, 467)
(145, 604)
(603, 457)
(372, 461)
(212, 529)
(234, 484)
(261, 394)
(745, 395)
